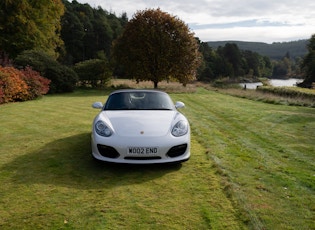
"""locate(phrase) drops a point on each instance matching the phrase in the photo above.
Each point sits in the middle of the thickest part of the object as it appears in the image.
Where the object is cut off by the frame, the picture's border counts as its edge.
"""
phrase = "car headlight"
(102, 129)
(180, 128)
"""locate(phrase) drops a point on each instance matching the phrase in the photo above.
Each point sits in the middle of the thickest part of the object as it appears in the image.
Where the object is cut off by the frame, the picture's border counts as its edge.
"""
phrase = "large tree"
(156, 46)
(308, 64)
(232, 58)
(30, 24)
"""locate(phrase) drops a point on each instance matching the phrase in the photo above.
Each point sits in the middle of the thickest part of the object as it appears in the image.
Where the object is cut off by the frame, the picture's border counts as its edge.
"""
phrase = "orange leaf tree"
(156, 46)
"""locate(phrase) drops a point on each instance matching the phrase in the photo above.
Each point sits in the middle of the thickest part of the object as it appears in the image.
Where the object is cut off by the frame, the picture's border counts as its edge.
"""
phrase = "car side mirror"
(97, 105)
(179, 105)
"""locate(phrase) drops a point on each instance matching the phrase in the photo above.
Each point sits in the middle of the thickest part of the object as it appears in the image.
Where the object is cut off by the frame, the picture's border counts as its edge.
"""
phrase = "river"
(273, 82)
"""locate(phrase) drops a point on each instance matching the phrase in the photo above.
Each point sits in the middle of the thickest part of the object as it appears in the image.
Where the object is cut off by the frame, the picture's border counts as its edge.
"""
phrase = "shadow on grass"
(68, 162)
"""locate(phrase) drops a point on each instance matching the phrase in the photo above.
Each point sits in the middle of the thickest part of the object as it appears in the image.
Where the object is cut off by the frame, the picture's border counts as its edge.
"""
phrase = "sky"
(230, 20)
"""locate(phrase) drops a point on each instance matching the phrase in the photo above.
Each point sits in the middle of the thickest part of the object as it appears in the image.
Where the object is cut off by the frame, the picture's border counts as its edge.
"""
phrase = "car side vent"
(107, 151)
(177, 151)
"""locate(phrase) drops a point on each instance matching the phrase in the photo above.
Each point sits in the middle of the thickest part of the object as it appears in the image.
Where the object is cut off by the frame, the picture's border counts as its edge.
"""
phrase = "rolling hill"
(276, 50)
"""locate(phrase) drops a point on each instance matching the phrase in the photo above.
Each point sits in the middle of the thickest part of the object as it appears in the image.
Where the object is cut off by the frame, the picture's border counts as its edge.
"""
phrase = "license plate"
(142, 151)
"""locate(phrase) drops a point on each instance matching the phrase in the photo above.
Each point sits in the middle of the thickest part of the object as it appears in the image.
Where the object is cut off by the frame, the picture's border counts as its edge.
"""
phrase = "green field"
(252, 167)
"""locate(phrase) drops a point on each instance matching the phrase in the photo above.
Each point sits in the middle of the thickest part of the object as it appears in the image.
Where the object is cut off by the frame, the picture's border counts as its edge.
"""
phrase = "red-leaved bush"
(16, 85)
(1, 90)
(37, 84)
(13, 87)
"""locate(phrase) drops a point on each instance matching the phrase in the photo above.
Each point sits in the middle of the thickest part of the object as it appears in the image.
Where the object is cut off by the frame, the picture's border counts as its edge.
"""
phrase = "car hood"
(140, 123)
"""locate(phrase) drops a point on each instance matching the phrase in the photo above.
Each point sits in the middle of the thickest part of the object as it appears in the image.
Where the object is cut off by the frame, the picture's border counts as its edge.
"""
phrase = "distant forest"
(275, 51)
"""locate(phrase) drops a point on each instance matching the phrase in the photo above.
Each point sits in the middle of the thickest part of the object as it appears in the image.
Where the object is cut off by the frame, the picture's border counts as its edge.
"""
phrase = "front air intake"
(107, 151)
(177, 151)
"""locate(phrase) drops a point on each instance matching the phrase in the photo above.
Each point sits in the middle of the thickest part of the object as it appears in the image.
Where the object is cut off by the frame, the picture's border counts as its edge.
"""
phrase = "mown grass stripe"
(252, 143)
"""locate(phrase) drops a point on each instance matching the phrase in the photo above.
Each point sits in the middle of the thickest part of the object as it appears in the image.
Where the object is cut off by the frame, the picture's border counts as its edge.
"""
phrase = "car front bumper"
(144, 150)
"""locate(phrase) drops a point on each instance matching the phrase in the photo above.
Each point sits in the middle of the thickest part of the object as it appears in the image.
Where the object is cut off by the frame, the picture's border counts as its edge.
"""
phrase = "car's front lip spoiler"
(184, 158)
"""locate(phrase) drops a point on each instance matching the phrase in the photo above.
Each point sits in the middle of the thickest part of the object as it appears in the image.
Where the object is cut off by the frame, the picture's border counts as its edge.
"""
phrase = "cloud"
(268, 34)
(230, 19)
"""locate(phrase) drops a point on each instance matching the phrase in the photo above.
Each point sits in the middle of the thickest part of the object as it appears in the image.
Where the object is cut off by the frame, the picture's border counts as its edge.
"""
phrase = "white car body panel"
(131, 123)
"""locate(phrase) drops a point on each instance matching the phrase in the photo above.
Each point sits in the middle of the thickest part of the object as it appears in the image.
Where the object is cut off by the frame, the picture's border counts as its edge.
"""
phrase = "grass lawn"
(252, 166)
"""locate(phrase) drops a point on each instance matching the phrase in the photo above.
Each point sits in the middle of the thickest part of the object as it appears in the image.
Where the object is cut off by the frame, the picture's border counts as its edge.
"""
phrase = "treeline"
(286, 57)
(230, 61)
(274, 51)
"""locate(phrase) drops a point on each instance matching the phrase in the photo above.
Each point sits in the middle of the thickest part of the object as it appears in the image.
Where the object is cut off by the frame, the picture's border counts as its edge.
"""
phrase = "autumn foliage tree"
(26, 24)
(156, 46)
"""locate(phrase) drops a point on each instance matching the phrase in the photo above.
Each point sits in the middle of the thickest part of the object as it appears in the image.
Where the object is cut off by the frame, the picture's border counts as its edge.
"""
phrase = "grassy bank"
(252, 166)
(265, 153)
(275, 95)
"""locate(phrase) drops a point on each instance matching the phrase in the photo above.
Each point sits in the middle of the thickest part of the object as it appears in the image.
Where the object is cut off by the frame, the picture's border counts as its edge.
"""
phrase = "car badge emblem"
(141, 132)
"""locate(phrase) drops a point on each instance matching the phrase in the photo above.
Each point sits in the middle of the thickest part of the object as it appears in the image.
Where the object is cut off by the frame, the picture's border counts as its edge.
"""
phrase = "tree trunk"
(155, 84)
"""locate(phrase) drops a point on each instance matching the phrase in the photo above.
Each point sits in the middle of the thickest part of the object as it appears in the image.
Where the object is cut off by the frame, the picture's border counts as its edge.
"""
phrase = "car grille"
(107, 151)
(143, 158)
(177, 151)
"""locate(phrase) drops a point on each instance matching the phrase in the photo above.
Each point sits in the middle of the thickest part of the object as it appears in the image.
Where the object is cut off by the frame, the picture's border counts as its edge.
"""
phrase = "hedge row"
(21, 85)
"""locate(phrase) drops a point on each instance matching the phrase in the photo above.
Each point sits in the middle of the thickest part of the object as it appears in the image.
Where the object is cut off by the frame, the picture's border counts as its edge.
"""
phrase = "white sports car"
(140, 127)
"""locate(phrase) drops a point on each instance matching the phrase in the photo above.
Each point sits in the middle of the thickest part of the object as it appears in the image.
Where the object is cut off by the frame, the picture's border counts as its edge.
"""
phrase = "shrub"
(12, 85)
(63, 79)
(37, 85)
(2, 95)
(21, 85)
(94, 72)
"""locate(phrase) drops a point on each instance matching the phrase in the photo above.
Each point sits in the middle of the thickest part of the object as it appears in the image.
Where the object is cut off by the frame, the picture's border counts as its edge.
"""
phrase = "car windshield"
(139, 101)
